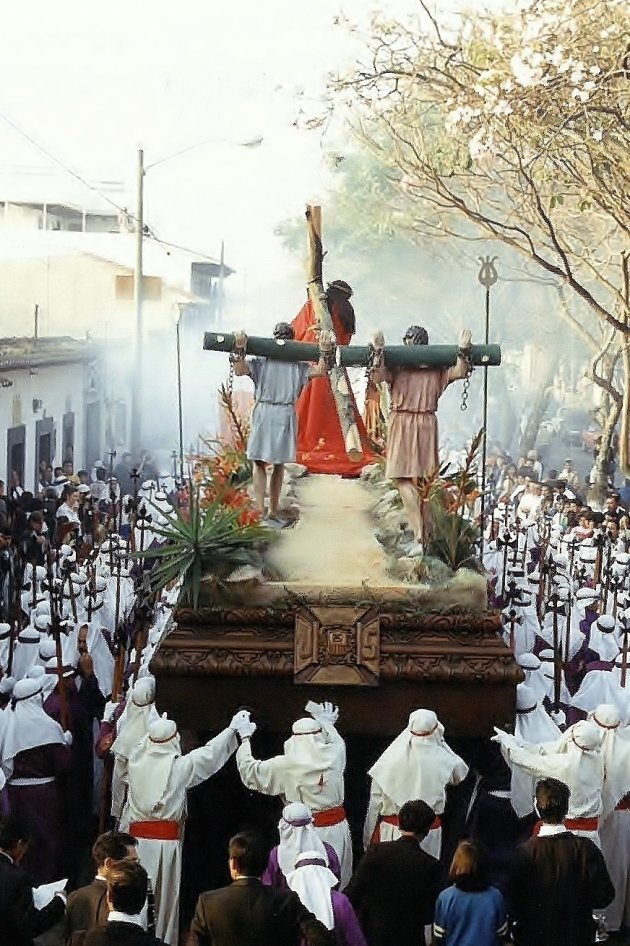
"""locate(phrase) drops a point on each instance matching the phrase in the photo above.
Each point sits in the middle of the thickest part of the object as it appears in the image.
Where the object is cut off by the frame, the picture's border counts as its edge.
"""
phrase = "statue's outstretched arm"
(378, 371)
(241, 368)
(463, 366)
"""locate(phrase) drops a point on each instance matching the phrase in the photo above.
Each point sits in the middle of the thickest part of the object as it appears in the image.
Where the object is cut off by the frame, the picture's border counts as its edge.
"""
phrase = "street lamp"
(136, 391)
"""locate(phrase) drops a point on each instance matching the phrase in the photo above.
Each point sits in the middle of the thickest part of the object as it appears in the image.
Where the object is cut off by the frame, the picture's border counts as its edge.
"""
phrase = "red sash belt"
(393, 820)
(389, 819)
(155, 830)
(581, 824)
(329, 817)
(624, 804)
(572, 824)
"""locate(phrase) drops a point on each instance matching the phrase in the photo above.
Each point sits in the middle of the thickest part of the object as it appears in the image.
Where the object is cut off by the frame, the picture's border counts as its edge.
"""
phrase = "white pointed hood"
(419, 763)
(150, 765)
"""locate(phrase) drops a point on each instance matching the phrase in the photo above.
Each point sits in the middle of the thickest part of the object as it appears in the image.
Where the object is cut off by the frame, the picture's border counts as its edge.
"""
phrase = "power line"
(123, 210)
(52, 157)
(182, 249)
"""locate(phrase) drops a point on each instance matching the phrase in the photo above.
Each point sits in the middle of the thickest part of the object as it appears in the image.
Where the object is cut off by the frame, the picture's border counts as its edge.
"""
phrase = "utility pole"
(137, 382)
(487, 276)
(179, 397)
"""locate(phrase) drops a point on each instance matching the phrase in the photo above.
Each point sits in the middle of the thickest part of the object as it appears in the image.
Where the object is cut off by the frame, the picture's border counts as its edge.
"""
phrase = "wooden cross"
(556, 605)
(514, 618)
(506, 541)
(616, 584)
(418, 356)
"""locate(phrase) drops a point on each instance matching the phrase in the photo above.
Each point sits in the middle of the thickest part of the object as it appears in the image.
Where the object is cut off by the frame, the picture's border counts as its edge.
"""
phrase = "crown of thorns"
(341, 286)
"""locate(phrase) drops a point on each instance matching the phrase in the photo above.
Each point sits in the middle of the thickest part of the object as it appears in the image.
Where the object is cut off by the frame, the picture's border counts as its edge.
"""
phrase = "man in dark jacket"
(33, 541)
(127, 886)
(20, 920)
(396, 884)
(249, 914)
(559, 879)
(87, 907)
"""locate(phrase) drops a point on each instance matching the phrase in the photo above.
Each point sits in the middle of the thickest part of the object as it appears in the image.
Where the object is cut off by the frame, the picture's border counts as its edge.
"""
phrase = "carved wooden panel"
(337, 646)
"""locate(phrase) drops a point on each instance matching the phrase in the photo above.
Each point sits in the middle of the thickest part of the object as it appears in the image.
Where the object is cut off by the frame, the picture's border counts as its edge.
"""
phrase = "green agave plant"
(453, 537)
(210, 540)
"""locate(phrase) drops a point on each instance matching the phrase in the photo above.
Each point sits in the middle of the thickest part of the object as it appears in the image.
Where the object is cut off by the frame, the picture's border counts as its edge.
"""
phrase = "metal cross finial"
(488, 275)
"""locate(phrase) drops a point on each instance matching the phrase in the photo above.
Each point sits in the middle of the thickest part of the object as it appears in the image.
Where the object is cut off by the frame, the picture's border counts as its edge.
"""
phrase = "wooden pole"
(54, 617)
(355, 356)
(338, 379)
(567, 636)
(557, 667)
(19, 571)
(624, 652)
(119, 669)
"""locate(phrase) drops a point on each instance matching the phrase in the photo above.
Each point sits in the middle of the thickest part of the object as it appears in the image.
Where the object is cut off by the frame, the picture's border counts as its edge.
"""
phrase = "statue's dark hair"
(283, 330)
(338, 298)
(416, 335)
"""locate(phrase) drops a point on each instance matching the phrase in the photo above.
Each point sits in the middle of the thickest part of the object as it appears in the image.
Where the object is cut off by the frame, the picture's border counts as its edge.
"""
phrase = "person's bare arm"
(380, 373)
(241, 368)
(461, 368)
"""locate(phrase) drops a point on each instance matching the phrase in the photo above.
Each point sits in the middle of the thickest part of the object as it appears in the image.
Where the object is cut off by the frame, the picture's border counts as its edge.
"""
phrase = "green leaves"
(208, 541)
(453, 537)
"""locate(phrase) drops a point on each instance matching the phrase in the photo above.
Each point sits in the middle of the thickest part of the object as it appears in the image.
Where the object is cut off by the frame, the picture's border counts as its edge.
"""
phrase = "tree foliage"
(513, 126)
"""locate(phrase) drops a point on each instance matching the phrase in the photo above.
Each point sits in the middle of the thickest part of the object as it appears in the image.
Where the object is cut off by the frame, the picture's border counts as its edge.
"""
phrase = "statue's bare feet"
(274, 522)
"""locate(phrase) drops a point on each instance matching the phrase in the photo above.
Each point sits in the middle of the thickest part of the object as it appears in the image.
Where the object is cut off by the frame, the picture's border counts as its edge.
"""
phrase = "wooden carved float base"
(378, 664)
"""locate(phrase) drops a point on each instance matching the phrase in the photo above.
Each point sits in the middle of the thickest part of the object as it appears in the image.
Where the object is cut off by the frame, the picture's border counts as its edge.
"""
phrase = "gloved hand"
(240, 339)
(504, 738)
(108, 712)
(243, 725)
(324, 712)
(67, 738)
(465, 338)
(378, 339)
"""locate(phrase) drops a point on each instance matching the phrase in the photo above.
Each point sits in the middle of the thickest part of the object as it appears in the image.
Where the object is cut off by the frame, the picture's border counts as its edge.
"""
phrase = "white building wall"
(76, 294)
(61, 389)
(21, 217)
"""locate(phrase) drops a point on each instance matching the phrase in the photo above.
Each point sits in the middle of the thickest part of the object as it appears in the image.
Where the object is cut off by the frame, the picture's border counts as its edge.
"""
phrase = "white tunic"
(413, 766)
(320, 788)
(582, 770)
(162, 859)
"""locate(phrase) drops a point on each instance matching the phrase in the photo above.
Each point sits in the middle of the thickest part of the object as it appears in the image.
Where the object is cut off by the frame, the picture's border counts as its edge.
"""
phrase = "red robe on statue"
(320, 445)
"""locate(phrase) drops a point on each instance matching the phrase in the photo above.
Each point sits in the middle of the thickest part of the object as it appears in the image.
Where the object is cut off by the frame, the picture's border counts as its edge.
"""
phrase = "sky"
(93, 83)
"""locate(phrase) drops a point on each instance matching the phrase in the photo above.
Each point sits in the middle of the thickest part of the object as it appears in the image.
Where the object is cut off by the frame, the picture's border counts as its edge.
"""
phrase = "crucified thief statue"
(412, 442)
(273, 436)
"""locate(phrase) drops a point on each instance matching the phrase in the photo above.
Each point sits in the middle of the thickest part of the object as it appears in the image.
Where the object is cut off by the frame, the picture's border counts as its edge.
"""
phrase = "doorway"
(44, 444)
(67, 439)
(92, 433)
(16, 440)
